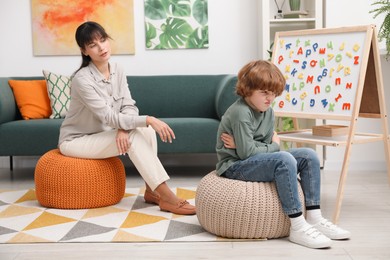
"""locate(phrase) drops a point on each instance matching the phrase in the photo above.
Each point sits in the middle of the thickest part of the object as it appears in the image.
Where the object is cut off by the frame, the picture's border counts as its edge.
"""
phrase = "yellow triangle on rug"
(24, 220)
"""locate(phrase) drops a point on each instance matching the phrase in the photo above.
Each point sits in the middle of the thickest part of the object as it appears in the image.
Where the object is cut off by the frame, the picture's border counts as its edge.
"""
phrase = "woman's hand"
(161, 128)
(122, 141)
(275, 138)
(228, 141)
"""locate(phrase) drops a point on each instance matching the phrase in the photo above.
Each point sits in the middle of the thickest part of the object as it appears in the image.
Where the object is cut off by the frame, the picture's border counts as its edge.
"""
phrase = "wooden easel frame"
(369, 103)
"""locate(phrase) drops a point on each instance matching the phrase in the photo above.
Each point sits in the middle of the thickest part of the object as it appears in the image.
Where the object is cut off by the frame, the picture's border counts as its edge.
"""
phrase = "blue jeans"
(283, 168)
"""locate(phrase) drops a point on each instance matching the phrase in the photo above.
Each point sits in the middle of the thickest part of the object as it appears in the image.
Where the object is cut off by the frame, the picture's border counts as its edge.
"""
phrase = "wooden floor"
(365, 212)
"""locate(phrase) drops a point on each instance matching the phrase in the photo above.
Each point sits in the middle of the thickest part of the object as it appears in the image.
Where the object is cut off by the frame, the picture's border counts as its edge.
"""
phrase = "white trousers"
(142, 151)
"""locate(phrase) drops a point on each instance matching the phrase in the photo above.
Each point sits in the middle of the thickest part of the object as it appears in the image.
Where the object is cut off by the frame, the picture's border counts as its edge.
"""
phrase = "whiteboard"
(323, 71)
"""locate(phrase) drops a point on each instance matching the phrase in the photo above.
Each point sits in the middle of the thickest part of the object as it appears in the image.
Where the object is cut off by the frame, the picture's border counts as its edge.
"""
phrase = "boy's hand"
(275, 138)
(228, 141)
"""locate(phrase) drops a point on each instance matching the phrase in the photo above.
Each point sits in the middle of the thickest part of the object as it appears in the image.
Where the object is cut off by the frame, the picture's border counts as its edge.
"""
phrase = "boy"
(248, 150)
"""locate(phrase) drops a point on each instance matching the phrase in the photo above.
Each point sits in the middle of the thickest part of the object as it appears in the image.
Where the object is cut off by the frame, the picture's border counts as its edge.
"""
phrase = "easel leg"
(343, 178)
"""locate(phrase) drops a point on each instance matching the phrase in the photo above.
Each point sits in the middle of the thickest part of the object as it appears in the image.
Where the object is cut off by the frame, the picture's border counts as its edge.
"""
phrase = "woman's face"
(99, 50)
(260, 100)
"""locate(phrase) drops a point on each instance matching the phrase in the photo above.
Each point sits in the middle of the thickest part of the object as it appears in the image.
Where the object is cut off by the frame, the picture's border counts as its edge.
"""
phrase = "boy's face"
(260, 100)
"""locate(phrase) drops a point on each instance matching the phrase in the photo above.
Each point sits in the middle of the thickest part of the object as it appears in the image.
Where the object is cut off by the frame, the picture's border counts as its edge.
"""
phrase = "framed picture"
(54, 24)
(176, 24)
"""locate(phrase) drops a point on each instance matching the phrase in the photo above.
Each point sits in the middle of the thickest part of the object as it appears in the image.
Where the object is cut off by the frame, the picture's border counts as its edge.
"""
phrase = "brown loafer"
(181, 208)
(151, 197)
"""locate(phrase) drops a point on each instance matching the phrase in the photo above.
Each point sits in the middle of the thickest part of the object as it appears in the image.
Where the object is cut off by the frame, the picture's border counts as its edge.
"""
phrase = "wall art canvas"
(176, 24)
(54, 24)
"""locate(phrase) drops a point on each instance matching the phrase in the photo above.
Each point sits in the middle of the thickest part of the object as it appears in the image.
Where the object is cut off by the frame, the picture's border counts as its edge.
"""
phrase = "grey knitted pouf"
(238, 209)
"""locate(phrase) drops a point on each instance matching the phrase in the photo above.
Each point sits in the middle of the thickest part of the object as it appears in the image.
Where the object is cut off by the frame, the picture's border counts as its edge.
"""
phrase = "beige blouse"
(98, 104)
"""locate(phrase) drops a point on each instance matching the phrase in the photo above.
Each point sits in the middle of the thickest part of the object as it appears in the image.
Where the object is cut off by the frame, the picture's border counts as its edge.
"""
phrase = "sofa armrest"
(8, 108)
(225, 94)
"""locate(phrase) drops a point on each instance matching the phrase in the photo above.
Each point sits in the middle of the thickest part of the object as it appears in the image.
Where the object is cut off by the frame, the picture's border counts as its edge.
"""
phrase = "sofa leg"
(11, 167)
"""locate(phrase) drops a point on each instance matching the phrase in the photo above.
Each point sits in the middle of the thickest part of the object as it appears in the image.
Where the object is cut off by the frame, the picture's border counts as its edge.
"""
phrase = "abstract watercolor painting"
(54, 24)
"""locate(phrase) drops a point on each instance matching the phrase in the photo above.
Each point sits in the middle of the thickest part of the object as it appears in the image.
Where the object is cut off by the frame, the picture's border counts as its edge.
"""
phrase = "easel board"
(332, 73)
(324, 71)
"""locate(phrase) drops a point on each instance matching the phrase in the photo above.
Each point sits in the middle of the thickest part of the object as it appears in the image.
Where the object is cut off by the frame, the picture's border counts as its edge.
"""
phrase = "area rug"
(24, 220)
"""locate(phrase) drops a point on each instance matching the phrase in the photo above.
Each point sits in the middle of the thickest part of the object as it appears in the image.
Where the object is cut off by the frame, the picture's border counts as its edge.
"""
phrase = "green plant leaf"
(199, 38)
(175, 33)
(177, 8)
(151, 31)
(200, 11)
(383, 7)
(154, 10)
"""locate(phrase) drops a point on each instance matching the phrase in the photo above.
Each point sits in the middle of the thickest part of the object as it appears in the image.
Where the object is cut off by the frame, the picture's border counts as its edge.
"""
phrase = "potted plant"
(383, 7)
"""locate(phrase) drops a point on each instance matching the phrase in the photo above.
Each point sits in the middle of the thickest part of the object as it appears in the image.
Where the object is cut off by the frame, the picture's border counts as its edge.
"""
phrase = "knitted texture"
(238, 209)
(74, 183)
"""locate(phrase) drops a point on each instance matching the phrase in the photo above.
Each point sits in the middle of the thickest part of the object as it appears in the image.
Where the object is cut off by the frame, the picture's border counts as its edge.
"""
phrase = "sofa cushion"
(29, 137)
(31, 98)
(193, 135)
(173, 96)
(58, 88)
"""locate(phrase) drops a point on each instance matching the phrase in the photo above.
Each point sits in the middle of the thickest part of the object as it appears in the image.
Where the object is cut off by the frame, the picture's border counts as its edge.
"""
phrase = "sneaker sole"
(325, 244)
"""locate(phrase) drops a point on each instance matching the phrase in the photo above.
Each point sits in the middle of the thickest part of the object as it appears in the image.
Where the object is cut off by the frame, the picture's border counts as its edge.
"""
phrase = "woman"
(103, 120)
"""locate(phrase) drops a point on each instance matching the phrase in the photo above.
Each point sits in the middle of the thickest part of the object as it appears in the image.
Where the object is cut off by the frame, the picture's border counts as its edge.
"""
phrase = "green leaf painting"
(176, 24)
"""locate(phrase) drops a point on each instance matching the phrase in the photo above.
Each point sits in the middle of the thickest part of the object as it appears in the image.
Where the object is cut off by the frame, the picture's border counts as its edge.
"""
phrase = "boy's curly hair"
(260, 75)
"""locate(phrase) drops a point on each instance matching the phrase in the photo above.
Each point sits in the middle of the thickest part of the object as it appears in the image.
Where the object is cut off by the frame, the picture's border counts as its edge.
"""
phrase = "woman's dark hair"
(85, 34)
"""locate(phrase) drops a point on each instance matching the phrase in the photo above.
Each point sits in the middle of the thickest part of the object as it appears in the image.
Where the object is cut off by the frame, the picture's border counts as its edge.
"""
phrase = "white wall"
(233, 41)
(232, 34)
(364, 156)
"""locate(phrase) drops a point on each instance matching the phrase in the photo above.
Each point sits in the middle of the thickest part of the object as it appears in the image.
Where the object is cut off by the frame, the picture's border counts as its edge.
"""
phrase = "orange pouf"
(74, 183)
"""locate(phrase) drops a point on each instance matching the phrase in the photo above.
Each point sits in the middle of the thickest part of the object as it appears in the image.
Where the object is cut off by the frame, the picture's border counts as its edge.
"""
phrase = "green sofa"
(191, 104)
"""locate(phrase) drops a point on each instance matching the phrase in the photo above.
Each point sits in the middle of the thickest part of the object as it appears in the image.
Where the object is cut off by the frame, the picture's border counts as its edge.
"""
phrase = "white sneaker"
(331, 230)
(309, 237)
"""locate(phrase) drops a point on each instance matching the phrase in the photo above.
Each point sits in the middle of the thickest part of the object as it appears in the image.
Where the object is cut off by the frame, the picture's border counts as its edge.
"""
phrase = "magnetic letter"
(347, 106)
(347, 71)
(294, 72)
(303, 95)
(324, 102)
(312, 102)
(309, 79)
(317, 89)
(337, 81)
(331, 107)
(338, 97)
(288, 97)
(294, 101)
(339, 58)
(281, 104)
(280, 59)
(308, 52)
(356, 60)
(315, 47)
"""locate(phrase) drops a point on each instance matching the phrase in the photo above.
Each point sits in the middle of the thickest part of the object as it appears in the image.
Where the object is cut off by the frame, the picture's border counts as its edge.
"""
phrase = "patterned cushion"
(58, 88)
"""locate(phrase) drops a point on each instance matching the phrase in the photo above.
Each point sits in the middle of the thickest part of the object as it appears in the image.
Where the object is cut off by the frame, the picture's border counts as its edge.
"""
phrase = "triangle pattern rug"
(24, 220)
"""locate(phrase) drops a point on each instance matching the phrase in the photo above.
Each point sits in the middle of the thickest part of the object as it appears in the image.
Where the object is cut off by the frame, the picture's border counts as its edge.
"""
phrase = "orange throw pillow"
(32, 98)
